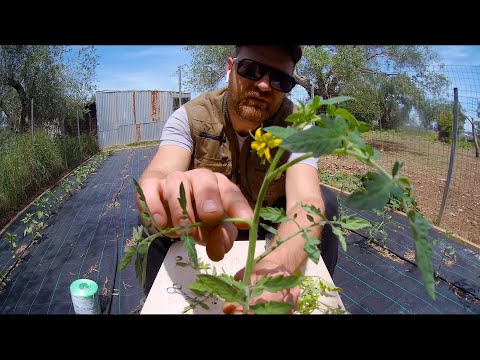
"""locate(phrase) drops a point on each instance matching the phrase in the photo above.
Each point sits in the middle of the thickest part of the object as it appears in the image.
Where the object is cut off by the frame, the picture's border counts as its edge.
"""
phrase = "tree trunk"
(23, 100)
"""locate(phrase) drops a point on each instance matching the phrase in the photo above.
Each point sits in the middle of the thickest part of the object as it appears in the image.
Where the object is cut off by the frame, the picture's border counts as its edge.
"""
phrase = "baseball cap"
(295, 51)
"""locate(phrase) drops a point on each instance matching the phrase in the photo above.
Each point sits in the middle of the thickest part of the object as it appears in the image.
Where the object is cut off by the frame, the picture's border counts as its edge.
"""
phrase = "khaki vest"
(216, 147)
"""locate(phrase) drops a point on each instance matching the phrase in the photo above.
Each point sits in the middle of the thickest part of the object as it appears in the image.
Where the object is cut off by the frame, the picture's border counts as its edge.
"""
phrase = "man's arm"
(210, 196)
(302, 186)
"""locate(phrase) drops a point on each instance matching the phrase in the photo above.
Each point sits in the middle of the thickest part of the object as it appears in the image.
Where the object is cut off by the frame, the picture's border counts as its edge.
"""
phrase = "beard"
(251, 109)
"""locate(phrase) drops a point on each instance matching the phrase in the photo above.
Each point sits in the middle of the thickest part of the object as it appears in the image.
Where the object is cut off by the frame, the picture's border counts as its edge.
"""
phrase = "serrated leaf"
(138, 268)
(127, 257)
(141, 196)
(269, 228)
(218, 285)
(281, 132)
(319, 140)
(272, 307)
(352, 222)
(275, 215)
(336, 100)
(189, 246)
(341, 238)
(423, 250)
(355, 138)
(280, 282)
(310, 218)
(311, 247)
(376, 194)
(144, 271)
(182, 199)
(312, 210)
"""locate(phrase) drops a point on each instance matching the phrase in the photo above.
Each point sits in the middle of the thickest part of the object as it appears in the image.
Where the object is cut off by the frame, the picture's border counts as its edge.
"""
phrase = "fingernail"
(158, 219)
(210, 206)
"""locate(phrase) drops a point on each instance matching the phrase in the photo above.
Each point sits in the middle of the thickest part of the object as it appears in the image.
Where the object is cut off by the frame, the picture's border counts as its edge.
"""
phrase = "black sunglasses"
(254, 70)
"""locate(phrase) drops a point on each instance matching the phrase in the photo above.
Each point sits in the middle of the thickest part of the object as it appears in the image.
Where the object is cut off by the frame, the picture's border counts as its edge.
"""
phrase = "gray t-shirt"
(177, 132)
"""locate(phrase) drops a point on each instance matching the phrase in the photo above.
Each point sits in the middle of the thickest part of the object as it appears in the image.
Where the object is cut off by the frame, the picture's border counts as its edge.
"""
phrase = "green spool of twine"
(84, 296)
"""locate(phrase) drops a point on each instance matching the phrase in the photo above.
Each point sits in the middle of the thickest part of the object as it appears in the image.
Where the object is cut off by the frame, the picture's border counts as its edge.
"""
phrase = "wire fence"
(427, 158)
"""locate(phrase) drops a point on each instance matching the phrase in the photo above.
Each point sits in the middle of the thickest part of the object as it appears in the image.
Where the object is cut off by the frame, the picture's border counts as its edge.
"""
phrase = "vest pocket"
(220, 165)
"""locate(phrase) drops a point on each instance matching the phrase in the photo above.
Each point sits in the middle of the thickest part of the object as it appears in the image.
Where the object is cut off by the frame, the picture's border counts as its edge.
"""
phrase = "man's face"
(255, 100)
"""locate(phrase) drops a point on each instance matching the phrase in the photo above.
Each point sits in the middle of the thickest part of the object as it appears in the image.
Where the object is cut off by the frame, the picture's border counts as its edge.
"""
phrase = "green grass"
(27, 168)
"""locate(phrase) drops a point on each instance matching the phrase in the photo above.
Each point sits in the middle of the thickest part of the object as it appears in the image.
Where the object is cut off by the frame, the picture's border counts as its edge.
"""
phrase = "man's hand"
(262, 269)
(210, 198)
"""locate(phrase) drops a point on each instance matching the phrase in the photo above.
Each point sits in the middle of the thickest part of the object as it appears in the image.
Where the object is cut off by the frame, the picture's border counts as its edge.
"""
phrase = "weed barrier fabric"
(85, 239)
(452, 262)
(87, 236)
(375, 281)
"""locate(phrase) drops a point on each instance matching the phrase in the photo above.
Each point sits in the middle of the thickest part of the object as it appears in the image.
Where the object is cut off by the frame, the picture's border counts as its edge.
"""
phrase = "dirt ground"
(426, 166)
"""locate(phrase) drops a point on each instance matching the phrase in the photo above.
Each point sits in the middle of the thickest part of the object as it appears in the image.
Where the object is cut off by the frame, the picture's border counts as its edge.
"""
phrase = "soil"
(426, 166)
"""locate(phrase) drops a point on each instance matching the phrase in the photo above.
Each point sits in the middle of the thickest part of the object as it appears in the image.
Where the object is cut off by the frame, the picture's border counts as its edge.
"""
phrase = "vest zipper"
(222, 139)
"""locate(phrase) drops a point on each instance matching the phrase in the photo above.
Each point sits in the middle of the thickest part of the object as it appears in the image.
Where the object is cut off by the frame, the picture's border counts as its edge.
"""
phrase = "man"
(206, 145)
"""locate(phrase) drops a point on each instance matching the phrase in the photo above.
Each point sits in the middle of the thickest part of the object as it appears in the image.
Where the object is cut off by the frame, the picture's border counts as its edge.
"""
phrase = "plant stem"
(281, 241)
(252, 235)
(201, 223)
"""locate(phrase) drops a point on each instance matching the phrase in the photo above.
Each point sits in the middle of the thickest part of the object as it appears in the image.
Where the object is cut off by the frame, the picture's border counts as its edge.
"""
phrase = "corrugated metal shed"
(132, 116)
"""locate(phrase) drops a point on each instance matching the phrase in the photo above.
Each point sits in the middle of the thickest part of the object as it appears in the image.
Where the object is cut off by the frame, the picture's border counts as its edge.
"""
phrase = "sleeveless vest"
(216, 147)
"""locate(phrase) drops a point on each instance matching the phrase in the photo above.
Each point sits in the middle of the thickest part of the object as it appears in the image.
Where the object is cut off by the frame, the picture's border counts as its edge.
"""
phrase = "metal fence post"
(452, 156)
(79, 142)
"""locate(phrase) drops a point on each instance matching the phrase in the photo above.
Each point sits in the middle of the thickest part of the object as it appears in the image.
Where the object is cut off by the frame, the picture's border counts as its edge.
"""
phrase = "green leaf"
(352, 222)
(181, 263)
(320, 141)
(378, 188)
(127, 257)
(312, 210)
(272, 307)
(396, 168)
(275, 215)
(182, 199)
(144, 271)
(423, 250)
(189, 246)
(294, 117)
(336, 100)
(281, 132)
(311, 247)
(141, 196)
(351, 120)
(218, 285)
(269, 228)
(363, 127)
(341, 237)
(279, 282)
(138, 268)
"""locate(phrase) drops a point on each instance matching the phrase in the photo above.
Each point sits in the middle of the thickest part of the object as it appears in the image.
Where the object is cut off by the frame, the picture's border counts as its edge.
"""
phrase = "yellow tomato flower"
(264, 142)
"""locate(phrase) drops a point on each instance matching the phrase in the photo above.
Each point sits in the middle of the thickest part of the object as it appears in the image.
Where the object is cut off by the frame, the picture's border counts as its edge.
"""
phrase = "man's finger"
(208, 202)
(172, 194)
(221, 241)
(152, 189)
(234, 203)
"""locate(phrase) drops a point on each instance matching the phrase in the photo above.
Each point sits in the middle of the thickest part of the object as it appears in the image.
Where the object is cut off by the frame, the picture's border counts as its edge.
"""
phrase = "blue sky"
(136, 67)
